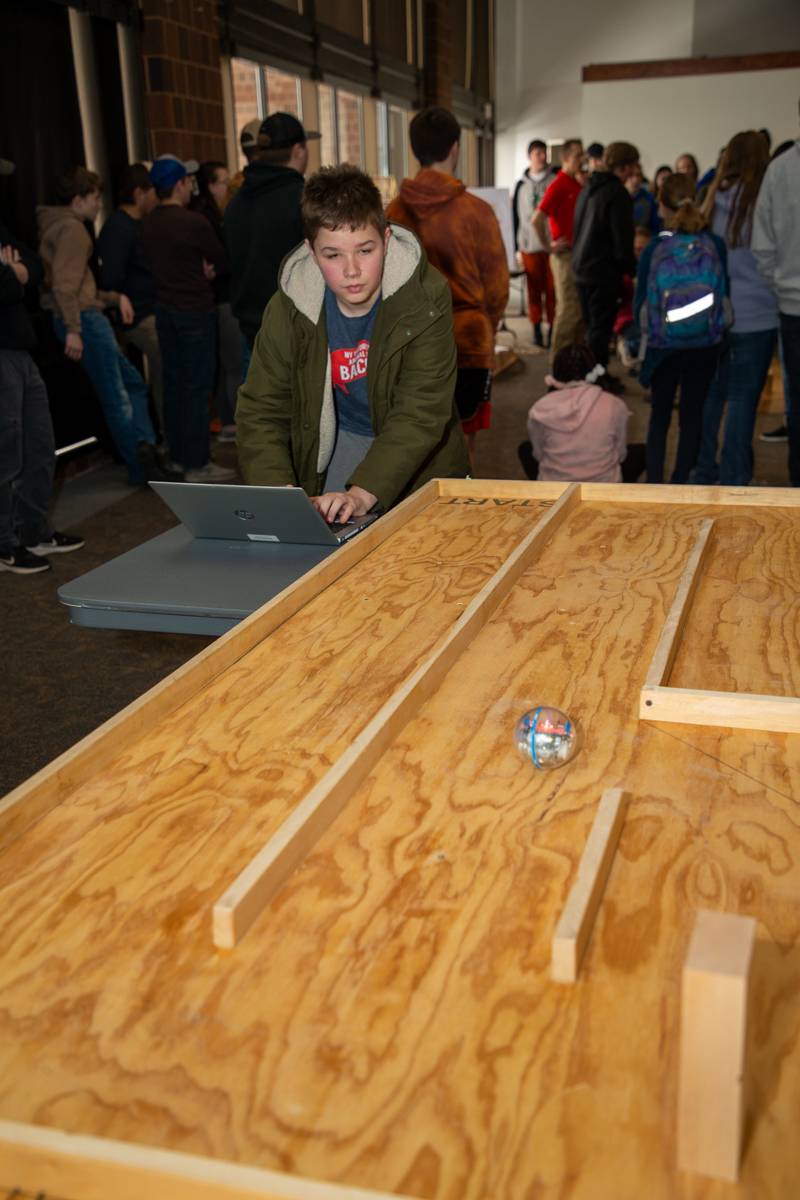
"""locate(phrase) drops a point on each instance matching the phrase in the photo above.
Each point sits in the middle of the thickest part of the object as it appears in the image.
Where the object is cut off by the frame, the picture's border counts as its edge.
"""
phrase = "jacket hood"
(302, 281)
(50, 217)
(566, 409)
(429, 191)
(260, 178)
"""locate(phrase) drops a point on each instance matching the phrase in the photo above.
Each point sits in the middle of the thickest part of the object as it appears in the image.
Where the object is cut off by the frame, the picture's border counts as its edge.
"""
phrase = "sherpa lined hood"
(302, 281)
(429, 191)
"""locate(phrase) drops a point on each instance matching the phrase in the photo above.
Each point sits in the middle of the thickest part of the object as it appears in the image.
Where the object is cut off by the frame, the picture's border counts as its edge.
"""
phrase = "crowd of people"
(348, 349)
(695, 284)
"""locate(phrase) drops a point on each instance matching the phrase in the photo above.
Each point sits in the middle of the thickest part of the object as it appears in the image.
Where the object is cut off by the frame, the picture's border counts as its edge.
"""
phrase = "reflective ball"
(547, 737)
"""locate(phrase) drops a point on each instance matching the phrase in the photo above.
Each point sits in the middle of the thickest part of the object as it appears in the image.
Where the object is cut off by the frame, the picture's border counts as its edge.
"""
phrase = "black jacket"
(602, 244)
(124, 266)
(262, 225)
(16, 330)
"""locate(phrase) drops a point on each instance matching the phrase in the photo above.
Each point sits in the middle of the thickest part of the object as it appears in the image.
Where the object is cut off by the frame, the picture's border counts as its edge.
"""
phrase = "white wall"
(697, 113)
(745, 26)
(541, 50)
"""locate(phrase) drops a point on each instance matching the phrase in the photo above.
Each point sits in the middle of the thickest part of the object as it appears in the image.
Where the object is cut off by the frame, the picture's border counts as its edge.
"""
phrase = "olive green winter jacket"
(285, 414)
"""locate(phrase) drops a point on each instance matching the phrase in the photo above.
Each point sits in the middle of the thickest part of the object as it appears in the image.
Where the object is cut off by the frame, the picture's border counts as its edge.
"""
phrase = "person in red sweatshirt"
(462, 239)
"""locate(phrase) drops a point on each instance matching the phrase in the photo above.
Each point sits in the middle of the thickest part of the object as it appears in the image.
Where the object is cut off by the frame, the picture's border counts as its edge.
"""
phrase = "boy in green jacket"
(350, 388)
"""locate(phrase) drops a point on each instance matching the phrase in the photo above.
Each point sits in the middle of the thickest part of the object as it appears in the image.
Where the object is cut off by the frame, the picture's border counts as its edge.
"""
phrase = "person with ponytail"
(577, 430)
(752, 338)
(683, 307)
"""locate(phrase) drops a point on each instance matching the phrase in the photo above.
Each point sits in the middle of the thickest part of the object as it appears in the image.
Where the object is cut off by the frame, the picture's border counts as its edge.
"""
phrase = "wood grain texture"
(100, 1168)
(731, 710)
(251, 890)
(575, 924)
(713, 1038)
(669, 640)
(389, 1022)
(48, 787)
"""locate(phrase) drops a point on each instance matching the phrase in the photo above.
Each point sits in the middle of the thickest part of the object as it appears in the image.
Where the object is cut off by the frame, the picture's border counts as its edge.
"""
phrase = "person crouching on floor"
(577, 430)
(350, 389)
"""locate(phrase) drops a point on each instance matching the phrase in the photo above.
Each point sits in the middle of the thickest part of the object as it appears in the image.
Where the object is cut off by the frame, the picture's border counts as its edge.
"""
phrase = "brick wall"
(182, 79)
(439, 68)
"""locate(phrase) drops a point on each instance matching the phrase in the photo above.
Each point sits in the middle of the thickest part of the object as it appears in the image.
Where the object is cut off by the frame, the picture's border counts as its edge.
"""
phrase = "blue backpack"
(686, 303)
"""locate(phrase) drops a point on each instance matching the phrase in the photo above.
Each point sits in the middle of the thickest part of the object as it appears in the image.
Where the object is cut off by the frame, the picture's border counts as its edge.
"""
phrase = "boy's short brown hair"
(620, 154)
(342, 197)
(432, 134)
(77, 181)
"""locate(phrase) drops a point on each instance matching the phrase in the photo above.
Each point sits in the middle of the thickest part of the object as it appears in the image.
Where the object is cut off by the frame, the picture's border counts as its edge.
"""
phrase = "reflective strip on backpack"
(690, 310)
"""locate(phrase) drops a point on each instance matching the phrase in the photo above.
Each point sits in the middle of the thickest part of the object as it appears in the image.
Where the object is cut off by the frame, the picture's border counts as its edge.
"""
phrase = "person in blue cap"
(185, 254)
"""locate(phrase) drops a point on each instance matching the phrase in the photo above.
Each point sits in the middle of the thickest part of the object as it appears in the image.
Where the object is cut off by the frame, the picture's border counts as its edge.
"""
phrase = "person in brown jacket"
(462, 239)
(71, 294)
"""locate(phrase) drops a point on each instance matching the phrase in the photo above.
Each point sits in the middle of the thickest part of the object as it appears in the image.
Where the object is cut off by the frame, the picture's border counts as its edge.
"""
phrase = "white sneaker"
(210, 473)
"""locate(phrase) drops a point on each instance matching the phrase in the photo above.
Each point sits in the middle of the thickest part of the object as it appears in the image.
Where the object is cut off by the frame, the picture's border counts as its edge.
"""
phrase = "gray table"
(177, 583)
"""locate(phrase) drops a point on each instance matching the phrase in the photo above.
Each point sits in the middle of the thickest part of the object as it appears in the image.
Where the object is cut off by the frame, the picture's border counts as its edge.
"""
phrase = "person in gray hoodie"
(752, 338)
(578, 431)
(533, 255)
(776, 247)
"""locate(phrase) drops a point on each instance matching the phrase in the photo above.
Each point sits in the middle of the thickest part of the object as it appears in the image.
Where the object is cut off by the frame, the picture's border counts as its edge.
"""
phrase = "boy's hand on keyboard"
(338, 507)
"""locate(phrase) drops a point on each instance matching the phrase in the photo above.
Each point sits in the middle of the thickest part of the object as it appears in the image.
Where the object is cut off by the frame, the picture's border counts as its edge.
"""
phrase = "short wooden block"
(712, 1051)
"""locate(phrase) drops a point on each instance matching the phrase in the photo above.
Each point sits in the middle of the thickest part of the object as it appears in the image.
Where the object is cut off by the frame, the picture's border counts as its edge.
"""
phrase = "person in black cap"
(262, 221)
(594, 157)
(185, 255)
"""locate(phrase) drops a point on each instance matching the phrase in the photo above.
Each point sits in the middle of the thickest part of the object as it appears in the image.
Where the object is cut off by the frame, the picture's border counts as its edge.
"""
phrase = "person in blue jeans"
(70, 293)
(686, 361)
(185, 255)
(752, 338)
(776, 246)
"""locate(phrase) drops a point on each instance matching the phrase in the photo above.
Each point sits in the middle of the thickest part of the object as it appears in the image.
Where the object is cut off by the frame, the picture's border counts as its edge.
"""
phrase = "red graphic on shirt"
(349, 363)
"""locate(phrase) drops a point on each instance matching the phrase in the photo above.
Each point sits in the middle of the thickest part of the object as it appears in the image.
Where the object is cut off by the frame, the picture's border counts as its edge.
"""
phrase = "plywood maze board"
(285, 927)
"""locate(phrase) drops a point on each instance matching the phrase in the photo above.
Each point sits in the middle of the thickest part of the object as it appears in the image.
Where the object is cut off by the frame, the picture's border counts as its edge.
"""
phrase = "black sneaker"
(538, 340)
(155, 465)
(21, 562)
(57, 543)
(781, 434)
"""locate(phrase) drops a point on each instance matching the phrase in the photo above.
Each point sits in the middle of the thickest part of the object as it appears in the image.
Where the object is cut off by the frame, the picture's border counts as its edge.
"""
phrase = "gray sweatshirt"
(776, 230)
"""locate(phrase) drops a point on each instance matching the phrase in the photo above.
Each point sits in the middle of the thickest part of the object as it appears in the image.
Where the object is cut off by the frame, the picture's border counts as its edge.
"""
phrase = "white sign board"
(500, 201)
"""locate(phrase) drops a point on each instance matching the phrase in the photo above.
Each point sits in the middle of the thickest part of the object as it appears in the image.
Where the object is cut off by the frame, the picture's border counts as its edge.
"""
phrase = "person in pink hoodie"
(577, 430)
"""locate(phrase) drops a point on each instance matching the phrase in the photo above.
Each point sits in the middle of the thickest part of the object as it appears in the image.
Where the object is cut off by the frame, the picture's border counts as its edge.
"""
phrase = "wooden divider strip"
(727, 710)
(575, 925)
(694, 494)
(500, 489)
(43, 1160)
(669, 640)
(714, 994)
(50, 786)
(252, 890)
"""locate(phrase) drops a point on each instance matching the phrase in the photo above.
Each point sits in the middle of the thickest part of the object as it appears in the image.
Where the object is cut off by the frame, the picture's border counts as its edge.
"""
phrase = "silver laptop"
(237, 512)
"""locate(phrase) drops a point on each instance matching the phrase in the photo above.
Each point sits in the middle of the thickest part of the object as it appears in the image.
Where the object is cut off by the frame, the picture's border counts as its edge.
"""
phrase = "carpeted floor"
(61, 681)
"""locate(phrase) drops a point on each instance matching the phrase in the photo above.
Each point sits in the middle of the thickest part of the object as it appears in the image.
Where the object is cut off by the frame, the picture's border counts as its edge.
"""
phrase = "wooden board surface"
(389, 1022)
